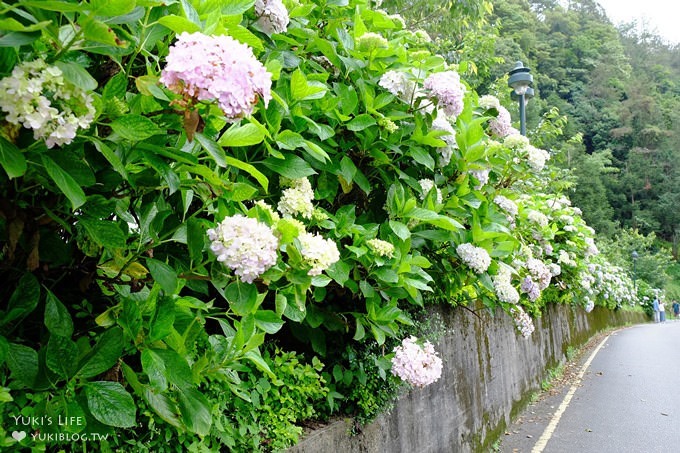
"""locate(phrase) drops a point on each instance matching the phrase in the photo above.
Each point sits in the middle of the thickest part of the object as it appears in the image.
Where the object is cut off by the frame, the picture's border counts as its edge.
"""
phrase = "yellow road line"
(550, 429)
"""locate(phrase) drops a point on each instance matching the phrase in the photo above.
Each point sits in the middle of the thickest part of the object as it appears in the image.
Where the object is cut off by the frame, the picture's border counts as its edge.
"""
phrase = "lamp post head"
(634, 255)
(520, 79)
(530, 93)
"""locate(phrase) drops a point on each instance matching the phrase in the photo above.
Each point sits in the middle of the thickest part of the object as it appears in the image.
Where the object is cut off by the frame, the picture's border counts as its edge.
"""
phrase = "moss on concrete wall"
(490, 373)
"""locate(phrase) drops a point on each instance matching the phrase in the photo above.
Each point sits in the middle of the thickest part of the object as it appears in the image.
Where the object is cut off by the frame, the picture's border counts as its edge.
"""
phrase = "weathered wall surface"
(489, 373)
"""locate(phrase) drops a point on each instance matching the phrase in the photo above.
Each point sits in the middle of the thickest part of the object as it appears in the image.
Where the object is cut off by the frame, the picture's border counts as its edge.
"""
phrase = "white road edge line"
(550, 429)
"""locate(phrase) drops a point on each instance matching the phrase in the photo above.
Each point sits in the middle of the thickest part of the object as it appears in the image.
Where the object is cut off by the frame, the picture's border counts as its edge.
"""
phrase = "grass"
(553, 373)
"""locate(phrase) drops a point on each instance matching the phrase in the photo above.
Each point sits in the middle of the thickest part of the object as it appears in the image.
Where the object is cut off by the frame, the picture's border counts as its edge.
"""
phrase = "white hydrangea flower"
(555, 205)
(489, 102)
(506, 205)
(589, 305)
(38, 97)
(398, 19)
(246, 246)
(538, 218)
(516, 142)
(371, 41)
(272, 16)
(555, 269)
(476, 258)
(537, 158)
(480, 175)
(381, 248)
(502, 284)
(297, 199)
(565, 259)
(591, 248)
(319, 253)
(426, 185)
(422, 36)
(398, 83)
(442, 123)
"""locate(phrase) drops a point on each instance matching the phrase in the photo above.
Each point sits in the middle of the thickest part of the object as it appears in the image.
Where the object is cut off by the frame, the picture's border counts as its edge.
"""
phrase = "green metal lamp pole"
(520, 80)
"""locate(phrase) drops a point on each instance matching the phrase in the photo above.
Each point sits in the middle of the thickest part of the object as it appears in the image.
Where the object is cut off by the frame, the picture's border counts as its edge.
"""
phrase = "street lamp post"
(520, 81)
(634, 255)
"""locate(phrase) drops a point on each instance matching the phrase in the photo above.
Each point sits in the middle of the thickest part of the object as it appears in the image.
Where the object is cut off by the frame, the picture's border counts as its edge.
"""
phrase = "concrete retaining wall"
(489, 374)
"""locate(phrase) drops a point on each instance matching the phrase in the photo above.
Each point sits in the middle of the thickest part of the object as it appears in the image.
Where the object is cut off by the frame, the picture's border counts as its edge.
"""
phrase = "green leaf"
(242, 297)
(22, 361)
(361, 122)
(154, 367)
(11, 159)
(116, 87)
(251, 170)
(77, 75)
(268, 321)
(179, 24)
(16, 39)
(386, 275)
(130, 318)
(234, 7)
(55, 5)
(97, 31)
(165, 407)
(163, 320)
(246, 135)
(195, 239)
(291, 166)
(178, 370)
(241, 191)
(339, 271)
(422, 157)
(213, 149)
(289, 140)
(9, 24)
(245, 36)
(111, 404)
(57, 318)
(195, 410)
(163, 169)
(104, 355)
(24, 299)
(164, 274)
(62, 356)
(4, 349)
(400, 229)
(64, 182)
(105, 233)
(135, 127)
(302, 90)
(109, 155)
(256, 358)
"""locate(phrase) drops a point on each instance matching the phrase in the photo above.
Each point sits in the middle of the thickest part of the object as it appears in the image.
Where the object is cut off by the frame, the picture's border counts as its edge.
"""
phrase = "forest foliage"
(192, 264)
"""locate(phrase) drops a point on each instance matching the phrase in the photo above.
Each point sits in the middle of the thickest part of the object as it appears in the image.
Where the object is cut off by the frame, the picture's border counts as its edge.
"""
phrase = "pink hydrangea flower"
(523, 322)
(447, 88)
(208, 68)
(415, 364)
(501, 126)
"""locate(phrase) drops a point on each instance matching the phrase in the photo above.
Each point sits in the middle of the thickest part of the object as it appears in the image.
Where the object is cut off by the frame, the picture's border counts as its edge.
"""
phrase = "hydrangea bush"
(187, 185)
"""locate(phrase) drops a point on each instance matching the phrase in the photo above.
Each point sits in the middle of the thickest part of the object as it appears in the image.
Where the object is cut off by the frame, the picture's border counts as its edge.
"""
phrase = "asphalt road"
(626, 401)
